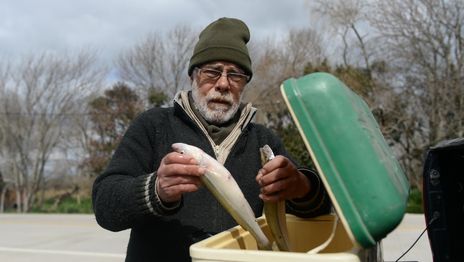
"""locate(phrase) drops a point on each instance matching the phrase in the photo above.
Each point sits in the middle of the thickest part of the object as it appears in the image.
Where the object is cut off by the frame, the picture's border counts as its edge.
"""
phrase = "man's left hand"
(279, 179)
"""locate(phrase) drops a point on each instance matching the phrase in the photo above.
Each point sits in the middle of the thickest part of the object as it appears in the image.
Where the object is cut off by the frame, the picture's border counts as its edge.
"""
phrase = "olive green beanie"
(223, 40)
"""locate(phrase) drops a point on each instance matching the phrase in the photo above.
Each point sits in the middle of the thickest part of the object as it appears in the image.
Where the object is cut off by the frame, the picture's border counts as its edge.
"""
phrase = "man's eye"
(233, 74)
(212, 73)
(236, 76)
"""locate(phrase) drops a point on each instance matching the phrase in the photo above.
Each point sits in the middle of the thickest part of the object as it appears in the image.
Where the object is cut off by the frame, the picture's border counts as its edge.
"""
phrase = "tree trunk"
(18, 200)
(2, 198)
(25, 200)
(64, 195)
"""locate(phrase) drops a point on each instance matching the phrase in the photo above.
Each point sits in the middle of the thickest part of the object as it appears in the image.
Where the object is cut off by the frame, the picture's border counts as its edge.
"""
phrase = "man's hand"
(279, 179)
(177, 174)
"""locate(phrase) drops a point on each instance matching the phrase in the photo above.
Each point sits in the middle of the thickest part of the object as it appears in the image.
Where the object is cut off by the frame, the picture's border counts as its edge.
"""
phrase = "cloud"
(28, 26)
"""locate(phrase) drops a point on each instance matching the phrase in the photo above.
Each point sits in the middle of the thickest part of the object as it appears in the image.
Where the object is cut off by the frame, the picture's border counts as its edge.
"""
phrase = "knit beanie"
(223, 40)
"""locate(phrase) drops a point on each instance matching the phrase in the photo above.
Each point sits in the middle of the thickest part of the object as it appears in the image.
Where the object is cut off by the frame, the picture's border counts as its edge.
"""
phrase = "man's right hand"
(177, 174)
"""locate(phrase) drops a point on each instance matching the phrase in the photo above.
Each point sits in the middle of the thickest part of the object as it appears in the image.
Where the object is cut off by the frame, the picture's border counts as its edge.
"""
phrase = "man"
(157, 192)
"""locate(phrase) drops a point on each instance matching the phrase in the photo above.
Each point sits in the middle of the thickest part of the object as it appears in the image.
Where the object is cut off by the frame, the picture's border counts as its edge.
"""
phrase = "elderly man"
(157, 193)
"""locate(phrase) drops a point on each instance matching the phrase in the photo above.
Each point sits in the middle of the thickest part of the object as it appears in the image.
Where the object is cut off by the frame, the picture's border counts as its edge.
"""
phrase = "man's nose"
(222, 83)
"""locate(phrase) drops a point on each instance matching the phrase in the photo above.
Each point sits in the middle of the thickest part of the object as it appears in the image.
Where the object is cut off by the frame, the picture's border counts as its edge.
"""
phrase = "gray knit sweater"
(124, 196)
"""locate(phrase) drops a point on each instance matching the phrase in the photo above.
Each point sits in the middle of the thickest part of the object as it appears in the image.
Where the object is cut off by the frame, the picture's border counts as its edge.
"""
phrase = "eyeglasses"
(214, 75)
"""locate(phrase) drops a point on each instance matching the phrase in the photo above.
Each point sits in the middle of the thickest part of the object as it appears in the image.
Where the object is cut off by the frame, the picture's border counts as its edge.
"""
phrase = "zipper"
(216, 149)
(228, 143)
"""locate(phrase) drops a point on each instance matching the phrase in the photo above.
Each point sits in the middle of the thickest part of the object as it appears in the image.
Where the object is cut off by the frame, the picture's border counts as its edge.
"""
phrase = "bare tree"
(158, 64)
(276, 62)
(347, 18)
(2, 192)
(40, 93)
(424, 44)
(412, 51)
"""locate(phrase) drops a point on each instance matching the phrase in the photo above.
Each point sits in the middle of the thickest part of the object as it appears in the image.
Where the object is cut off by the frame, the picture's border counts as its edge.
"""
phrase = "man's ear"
(192, 75)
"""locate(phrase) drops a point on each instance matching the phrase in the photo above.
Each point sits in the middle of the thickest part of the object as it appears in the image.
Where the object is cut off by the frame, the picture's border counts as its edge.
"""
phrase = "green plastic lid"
(359, 170)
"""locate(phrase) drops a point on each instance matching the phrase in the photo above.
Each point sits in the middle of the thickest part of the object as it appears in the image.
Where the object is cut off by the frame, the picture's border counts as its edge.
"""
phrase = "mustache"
(220, 98)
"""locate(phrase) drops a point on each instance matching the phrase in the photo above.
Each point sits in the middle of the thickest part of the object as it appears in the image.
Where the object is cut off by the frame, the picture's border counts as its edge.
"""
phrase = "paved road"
(72, 238)
(53, 238)
(398, 241)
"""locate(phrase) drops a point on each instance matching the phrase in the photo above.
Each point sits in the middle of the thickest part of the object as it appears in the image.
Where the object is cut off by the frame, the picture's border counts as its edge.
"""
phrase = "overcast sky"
(111, 26)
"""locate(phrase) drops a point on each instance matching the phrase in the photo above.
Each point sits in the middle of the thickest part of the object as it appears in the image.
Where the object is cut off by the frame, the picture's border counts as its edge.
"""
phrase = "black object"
(444, 199)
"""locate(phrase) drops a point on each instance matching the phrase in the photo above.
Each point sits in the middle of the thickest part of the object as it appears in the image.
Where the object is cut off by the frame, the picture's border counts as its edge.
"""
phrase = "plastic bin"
(365, 182)
(236, 244)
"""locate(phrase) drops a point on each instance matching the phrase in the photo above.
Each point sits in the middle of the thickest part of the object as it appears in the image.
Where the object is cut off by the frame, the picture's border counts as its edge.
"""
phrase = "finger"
(279, 164)
(277, 195)
(273, 177)
(186, 170)
(187, 188)
(174, 193)
(170, 181)
(275, 187)
(175, 169)
(271, 198)
(259, 177)
(275, 163)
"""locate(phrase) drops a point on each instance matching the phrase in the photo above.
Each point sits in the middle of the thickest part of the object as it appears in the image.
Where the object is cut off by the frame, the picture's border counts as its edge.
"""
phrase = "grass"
(69, 205)
(415, 201)
(72, 205)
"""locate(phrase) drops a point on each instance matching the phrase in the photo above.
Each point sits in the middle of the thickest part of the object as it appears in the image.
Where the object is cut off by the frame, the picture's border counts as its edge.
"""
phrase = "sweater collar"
(223, 145)
(184, 100)
(217, 132)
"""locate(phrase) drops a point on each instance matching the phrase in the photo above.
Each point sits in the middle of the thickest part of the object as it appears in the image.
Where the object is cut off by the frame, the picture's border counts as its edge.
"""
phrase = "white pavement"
(398, 241)
(72, 238)
(58, 237)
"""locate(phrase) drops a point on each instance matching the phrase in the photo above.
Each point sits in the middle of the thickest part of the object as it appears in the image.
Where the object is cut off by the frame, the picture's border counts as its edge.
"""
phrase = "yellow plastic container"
(236, 244)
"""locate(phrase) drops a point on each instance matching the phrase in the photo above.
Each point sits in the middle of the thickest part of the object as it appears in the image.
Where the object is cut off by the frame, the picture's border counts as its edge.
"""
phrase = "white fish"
(223, 186)
(275, 212)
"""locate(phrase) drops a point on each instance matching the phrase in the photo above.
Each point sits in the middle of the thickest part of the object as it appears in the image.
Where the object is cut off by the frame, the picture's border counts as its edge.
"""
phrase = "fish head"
(178, 147)
(266, 154)
(183, 148)
(188, 150)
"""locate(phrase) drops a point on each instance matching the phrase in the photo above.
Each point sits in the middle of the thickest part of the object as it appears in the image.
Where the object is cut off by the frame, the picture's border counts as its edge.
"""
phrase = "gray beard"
(213, 116)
